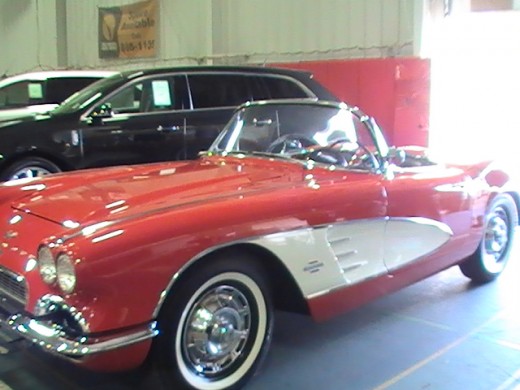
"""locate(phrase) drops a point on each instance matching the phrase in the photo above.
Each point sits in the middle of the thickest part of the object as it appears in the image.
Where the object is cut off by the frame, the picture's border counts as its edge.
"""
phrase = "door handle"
(170, 128)
(116, 132)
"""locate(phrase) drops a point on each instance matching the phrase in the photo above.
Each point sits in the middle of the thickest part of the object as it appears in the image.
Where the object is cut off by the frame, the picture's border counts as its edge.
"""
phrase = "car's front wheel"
(491, 257)
(29, 167)
(215, 327)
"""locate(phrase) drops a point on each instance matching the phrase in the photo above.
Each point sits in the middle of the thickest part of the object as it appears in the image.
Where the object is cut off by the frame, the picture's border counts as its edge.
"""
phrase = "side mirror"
(102, 112)
(396, 156)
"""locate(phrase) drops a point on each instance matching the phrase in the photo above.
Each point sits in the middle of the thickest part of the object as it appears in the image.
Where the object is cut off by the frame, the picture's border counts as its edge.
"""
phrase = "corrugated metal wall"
(28, 35)
(238, 31)
(212, 31)
(293, 30)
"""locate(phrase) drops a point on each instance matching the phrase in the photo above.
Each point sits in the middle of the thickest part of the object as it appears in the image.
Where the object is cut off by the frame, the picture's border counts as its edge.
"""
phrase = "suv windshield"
(89, 95)
(323, 133)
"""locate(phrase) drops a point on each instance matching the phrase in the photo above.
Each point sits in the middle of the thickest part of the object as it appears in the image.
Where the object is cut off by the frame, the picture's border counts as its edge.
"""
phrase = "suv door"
(140, 123)
(214, 97)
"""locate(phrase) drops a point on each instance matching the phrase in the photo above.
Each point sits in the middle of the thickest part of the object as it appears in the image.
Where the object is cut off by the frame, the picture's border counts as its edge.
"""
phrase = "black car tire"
(215, 326)
(492, 254)
(36, 165)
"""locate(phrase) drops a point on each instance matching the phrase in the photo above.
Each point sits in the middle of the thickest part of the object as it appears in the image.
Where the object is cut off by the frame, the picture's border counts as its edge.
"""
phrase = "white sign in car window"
(35, 90)
(161, 93)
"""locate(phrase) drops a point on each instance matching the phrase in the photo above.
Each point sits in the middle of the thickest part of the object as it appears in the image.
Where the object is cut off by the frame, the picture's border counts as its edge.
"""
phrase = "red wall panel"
(396, 91)
(412, 102)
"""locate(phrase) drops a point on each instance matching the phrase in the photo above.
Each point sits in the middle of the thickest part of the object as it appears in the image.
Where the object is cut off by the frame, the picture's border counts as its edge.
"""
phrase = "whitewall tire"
(215, 327)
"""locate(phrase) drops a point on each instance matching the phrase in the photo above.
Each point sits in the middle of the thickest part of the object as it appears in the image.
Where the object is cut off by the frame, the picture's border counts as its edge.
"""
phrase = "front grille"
(13, 285)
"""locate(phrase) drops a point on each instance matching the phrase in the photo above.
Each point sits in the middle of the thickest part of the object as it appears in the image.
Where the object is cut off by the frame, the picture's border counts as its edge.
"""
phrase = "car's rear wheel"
(215, 327)
(28, 168)
(491, 257)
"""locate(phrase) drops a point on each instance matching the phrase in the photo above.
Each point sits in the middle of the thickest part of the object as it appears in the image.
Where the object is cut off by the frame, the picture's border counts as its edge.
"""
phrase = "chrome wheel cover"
(496, 240)
(217, 330)
(30, 172)
(221, 332)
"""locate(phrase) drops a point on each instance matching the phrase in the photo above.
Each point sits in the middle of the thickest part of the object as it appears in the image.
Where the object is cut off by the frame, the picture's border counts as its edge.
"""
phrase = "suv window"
(227, 90)
(219, 90)
(21, 94)
(284, 88)
(58, 89)
(158, 94)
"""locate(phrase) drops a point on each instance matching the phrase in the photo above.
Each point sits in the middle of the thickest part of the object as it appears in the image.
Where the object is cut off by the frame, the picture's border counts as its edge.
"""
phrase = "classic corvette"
(298, 205)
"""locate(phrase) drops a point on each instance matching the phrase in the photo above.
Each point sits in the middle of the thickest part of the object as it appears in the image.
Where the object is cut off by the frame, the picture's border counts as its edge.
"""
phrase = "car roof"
(217, 68)
(53, 74)
(300, 101)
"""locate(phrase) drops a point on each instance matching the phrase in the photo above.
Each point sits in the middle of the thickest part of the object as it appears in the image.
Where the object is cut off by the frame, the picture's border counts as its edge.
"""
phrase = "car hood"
(25, 112)
(92, 196)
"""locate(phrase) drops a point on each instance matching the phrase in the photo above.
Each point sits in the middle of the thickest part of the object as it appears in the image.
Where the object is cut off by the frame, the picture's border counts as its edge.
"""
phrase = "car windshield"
(323, 133)
(89, 95)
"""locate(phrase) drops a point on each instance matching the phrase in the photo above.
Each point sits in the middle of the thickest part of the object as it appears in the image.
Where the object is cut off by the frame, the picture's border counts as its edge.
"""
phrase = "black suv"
(142, 116)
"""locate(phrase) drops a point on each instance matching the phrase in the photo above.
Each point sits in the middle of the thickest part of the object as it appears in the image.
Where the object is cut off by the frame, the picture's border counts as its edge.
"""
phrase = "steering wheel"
(290, 142)
(360, 160)
(328, 155)
(346, 158)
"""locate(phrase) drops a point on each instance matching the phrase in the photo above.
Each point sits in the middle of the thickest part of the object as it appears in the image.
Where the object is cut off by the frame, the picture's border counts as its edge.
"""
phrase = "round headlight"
(47, 265)
(66, 273)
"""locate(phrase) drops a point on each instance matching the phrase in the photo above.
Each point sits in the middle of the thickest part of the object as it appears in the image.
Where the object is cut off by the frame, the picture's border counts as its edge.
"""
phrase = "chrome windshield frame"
(374, 130)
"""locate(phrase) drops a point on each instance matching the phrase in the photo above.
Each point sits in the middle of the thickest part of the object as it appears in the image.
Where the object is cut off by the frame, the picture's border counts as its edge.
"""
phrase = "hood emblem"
(10, 234)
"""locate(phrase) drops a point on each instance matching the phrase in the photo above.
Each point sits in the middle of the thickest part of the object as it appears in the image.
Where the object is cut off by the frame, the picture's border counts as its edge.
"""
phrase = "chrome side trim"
(53, 340)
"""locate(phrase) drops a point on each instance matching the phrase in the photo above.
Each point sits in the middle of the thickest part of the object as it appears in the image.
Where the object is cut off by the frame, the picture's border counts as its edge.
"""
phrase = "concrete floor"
(442, 333)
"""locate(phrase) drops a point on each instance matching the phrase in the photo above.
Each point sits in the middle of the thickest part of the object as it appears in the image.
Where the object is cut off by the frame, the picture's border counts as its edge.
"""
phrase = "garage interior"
(436, 73)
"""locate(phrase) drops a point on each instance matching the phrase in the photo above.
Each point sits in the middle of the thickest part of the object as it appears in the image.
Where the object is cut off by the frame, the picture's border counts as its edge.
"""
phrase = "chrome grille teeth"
(13, 285)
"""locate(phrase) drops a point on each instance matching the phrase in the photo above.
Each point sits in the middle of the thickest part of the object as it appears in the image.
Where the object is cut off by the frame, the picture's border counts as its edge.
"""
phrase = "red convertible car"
(299, 205)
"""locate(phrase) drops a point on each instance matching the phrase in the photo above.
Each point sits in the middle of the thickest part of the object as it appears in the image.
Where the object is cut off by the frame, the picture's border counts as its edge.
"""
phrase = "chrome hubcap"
(496, 240)
(217, 330)
(30, 172)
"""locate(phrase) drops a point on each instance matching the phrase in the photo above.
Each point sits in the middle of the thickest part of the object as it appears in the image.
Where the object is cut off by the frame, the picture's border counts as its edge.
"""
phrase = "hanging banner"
(128, 31)
(492, 5)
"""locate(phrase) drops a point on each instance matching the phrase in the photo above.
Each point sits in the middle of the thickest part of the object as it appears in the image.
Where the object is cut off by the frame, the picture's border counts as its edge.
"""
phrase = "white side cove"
(325, 258)
(408, 239)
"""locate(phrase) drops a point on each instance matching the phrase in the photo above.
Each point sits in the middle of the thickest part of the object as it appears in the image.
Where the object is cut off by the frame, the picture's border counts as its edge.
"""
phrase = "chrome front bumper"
(52, 337)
